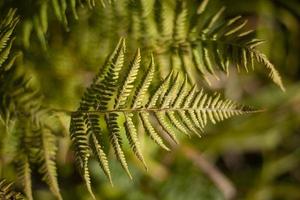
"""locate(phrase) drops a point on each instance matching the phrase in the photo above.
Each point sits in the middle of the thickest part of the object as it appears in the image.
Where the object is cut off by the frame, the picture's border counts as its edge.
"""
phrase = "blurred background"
(253, 157)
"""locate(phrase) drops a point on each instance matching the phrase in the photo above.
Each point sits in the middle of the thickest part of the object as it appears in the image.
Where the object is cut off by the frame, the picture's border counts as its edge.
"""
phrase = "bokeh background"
(253, 157)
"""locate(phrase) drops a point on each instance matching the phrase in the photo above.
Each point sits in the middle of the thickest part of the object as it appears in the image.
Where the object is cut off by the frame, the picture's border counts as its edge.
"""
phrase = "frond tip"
(126, 103)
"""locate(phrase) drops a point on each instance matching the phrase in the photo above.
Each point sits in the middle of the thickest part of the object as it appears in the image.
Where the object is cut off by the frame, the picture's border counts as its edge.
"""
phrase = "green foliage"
(199, 42)
(195, 41)
(157, 95)
(41, 13)
(28, 124)
(36, 140)
(7, 27)
(123, 103)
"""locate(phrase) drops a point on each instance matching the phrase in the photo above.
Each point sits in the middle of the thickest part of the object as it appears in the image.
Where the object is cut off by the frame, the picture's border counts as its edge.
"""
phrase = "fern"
(7, 27)
(225, 43)
(197, 41)
(37, 20)
(24, 116)
(6, 192)
(46, 160)
(122, 102)
(210, 42)
(24, 175)
(122, 99)
(37, 147)
(192, 40)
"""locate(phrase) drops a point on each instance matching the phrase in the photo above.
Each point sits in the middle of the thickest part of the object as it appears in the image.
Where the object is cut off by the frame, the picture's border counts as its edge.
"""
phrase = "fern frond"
(79, 137)
(164, 18)
(180, 22)
(87, 178)
(225, 43)
(150, 130)
(6, 191)
(24, 174)
(46, 161)
(96, 137)
(128, 84)
(111, 120)
(200, 41)
(174, 106)
(36, 20)
(143, 87)
(131, 134)
(21, 106)
(7, 27)
(105, 82)
(20, 102)
(102, 158)
(166, 126)
(274, 74)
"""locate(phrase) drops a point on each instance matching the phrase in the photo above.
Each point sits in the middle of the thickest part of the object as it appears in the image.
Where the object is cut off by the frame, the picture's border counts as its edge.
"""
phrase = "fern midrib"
(209, 39)
(167, 110)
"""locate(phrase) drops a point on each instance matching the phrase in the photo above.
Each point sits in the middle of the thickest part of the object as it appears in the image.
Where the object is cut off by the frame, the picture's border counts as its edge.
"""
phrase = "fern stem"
(138, 110)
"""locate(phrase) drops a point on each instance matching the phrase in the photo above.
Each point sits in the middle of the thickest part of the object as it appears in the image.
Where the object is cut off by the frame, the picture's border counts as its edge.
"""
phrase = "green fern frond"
(96, 138)
(7, 27)
(37, 148)
(132, 136)
(128, 84)
(115, 139)
(144, 85)
(21, 107)
(24, 175)
(274, 74)
(46, 160)
(105, 82)
(102, 158)
(224, 43)
(7, 193)
(227, 43)
(192, 40)
(80, 141)
(180, 22)
(38, 19)
(150, 130)
(175, 106)
(160, 19)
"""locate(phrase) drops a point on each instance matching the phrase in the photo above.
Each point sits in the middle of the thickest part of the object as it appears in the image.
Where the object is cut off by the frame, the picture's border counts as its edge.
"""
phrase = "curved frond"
(197, 41)
(126, 103)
